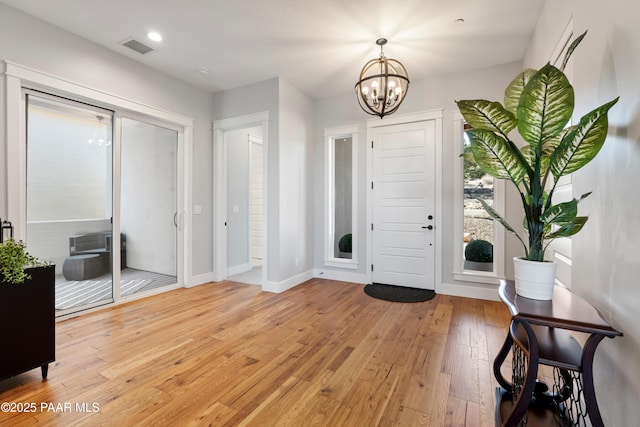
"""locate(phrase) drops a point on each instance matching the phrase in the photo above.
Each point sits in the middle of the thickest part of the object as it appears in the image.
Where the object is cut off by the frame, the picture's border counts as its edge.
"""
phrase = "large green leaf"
(487, 115)
(468, 157)
(515, 88)
(580, 146)
(545, 107)
(562, 213)
(495, 215)
(569, 229)
(496, 156)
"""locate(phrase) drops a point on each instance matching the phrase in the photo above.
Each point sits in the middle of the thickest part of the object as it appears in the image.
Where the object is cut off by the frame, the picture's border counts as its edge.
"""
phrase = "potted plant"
(478, 255)
(27, 312)
(539, 104)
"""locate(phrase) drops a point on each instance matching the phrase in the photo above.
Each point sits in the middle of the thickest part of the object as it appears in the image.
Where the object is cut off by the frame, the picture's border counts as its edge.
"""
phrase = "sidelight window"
(340, 197)
(479, 239)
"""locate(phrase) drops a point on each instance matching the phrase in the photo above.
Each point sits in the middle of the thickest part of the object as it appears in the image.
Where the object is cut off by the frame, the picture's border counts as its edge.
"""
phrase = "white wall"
(425, 95)
(606, 259)
(251, 99)
(290, 197)
(31, 42)
(296, 183)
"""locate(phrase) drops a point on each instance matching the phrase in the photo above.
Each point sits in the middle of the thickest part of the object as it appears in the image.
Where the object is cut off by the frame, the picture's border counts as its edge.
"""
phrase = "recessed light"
(459, 21)
(155, 36)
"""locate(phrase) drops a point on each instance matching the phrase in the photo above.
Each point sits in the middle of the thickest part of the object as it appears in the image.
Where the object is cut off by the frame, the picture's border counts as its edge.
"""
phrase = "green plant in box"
(539, 104)
(13, 260)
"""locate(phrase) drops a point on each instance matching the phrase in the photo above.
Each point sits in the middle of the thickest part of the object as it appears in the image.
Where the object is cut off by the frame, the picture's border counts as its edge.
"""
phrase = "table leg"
(587, 378)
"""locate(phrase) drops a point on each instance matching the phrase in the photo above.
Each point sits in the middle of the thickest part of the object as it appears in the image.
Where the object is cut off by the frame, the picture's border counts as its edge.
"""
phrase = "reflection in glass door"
(69, 197)
(149, 217)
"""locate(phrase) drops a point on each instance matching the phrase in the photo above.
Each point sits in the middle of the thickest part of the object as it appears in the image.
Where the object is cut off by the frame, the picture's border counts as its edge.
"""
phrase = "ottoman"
(82, 267)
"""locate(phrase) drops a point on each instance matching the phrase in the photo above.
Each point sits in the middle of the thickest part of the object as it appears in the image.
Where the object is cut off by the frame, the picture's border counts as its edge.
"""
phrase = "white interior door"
(404, 205)
(256, 199)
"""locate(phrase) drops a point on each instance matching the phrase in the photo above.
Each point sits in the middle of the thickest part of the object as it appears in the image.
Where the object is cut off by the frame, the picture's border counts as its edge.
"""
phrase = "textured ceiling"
(319, 46)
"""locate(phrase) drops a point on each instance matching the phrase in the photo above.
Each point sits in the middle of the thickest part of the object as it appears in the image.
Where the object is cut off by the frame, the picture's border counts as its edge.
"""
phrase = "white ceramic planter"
(535, 279)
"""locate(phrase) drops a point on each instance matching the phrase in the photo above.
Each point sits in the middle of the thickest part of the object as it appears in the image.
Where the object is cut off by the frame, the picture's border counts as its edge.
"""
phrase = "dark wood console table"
(540, 334)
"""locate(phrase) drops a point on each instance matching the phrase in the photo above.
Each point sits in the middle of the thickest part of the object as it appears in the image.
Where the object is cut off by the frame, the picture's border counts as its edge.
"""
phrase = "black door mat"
(398, 293)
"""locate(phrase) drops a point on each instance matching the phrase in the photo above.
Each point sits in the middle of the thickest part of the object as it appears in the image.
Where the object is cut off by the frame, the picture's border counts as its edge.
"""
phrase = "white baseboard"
(471, 290)
(289, 283)
(200, 280)
(237, 269)
(342, 276)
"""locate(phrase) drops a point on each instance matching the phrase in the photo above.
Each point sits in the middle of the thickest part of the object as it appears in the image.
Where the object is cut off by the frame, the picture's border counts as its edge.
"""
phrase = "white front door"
(404, 204)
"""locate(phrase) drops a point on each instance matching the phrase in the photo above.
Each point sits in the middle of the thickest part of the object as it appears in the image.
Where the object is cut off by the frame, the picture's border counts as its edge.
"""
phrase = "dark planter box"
(27, 323)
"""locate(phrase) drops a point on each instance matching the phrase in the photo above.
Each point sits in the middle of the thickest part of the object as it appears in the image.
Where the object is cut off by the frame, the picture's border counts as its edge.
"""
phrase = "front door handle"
(428, 227)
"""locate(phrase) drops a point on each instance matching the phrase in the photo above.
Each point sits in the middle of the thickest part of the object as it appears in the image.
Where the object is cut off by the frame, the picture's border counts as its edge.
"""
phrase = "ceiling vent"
(139, 47)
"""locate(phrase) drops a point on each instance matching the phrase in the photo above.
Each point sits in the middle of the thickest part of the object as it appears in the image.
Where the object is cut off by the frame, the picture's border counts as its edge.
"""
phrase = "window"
(479, 239)
(340, 197)
(69, 154)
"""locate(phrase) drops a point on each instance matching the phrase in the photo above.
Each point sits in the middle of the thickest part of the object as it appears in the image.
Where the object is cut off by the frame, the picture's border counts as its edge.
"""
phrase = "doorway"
(244, 166)
(241, 199)
(403, 209)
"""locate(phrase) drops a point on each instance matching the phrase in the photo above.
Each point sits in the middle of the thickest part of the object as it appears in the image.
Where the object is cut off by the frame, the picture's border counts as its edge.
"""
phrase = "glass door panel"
(69, 197)
(148, 206)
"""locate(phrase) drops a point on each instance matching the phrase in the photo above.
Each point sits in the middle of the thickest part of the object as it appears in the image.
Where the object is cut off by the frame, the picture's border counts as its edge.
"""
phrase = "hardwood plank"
(456, 412)
(227, 354)
(341, 382)
(440, 404)
(408, 417)
(371, 393)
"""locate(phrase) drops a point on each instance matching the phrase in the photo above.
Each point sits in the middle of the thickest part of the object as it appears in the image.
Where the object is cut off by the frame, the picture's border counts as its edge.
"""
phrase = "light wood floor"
(228, 354)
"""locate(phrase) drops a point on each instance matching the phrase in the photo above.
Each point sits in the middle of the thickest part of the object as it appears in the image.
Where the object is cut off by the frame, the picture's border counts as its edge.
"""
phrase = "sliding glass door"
(102, 201)
(149, 218)
(69, 197)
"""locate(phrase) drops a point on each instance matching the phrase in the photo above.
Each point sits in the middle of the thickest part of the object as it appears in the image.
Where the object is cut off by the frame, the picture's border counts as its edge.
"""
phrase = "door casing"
(220, 190)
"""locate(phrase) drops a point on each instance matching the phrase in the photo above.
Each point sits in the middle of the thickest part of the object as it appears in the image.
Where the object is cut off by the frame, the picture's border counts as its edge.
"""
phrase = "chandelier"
(382, 85)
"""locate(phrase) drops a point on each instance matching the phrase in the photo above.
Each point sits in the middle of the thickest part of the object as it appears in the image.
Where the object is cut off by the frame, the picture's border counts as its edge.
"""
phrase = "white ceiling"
(319, 46)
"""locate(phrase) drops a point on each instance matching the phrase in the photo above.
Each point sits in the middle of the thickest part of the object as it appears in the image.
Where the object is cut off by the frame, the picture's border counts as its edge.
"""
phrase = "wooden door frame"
(437, 116)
